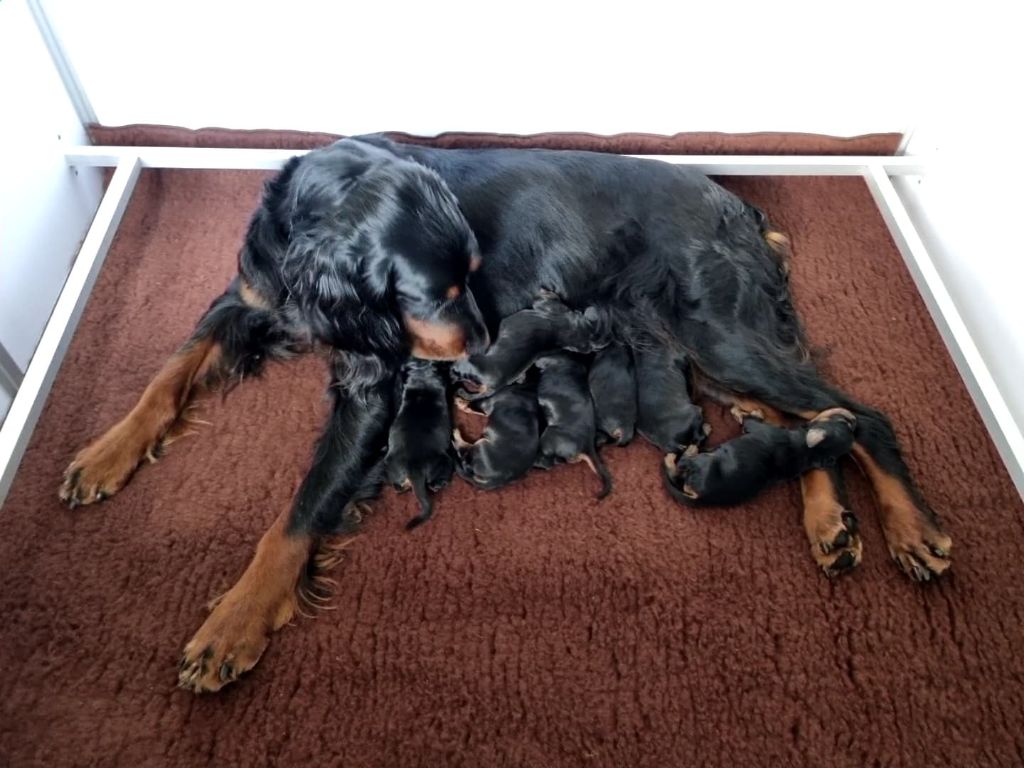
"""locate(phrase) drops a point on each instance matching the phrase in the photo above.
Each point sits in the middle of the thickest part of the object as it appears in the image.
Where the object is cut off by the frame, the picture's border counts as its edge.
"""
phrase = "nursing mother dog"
(372, 251)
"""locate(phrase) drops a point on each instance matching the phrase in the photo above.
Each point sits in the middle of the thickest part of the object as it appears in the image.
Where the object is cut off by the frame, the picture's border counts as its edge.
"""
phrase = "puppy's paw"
(740, 414)
(838, 414)
(675, 469)
(467, 374)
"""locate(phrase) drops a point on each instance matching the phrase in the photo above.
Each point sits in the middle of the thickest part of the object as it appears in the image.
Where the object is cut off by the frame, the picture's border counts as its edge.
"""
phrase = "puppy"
(509, 444)
(739, 469)
(419, 443)
(570, 434)
(665, 414)
(549, 326)
(612, 380)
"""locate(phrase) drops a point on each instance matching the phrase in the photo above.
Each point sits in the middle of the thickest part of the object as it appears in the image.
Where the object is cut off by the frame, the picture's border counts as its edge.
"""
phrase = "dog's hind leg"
(233, 339)
(830, 526)
(832, 529)
(913, 533)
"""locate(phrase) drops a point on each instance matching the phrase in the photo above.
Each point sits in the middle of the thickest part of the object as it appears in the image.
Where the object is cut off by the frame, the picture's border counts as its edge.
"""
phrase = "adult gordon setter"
(375, 251)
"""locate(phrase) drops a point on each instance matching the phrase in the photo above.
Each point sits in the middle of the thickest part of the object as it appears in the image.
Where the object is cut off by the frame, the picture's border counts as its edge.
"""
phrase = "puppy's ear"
(814, 436)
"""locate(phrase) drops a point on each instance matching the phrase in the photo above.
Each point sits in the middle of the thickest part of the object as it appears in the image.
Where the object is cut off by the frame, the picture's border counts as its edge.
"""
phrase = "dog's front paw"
(231, 640)
(692, 430)
(103, 467)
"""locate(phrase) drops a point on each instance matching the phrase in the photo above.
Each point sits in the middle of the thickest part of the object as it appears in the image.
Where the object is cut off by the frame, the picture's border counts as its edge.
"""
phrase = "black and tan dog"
(419, 443)
(612, 380)
(665, 414)
(570, 432)
(373, 251)
(547, 327)
(738, 470)
(508, 447)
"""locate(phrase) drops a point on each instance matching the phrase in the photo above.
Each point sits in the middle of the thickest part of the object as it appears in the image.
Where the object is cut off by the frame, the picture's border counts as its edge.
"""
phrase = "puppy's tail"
(419, 487)
(594, 461)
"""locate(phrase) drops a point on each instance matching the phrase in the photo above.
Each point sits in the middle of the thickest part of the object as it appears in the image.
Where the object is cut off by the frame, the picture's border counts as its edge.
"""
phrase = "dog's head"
(372, 253)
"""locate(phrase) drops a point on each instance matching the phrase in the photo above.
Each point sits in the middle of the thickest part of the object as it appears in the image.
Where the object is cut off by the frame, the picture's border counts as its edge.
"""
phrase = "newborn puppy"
(739, 469)
(419, 456)
(509, 443)
(571, 431)
(612, 380)
(665, 414)
(549, 326)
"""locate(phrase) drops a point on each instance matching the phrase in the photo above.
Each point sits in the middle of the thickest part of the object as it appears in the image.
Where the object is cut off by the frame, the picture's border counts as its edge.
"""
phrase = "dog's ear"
(814, 436)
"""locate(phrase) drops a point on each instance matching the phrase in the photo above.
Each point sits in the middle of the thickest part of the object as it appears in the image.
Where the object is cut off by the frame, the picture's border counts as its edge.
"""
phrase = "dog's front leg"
(346, 469)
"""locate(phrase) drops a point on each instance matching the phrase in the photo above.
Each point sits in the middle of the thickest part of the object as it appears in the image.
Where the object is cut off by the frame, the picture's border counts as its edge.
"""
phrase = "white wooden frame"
(876, 170)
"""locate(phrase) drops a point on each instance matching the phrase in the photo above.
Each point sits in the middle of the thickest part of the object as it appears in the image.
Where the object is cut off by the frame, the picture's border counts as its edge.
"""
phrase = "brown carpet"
(526, 627)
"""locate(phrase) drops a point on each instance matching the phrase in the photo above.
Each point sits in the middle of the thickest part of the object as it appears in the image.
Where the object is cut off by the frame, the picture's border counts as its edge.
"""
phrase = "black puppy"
(739, 469)
(547, 327)
(570, 434)
(612, 380)
(509, 443)
(665, 414)
(419, 443)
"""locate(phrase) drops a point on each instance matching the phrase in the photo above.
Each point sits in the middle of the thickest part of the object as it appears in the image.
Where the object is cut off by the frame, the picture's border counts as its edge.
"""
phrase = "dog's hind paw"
(920, 547)
(835, 542)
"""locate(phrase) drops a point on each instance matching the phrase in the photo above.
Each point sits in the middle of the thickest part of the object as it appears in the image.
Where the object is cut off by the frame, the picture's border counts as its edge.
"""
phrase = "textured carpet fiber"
(526, 627)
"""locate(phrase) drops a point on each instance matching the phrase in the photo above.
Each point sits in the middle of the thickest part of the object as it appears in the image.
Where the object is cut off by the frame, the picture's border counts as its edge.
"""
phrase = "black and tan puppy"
(665, 414)
(764, 454)
(612, 380)
(509, 444)
(419, 443)
(548, 326)
(570, 432)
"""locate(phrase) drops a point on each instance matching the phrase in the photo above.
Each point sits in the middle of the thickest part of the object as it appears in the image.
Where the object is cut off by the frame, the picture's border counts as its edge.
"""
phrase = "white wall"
(428, 67)
(45, 208)
(969, 213)
(968, 208)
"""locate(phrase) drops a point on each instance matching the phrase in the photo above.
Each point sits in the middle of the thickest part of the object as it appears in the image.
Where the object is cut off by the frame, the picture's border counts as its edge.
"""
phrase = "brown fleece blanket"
(525, 627)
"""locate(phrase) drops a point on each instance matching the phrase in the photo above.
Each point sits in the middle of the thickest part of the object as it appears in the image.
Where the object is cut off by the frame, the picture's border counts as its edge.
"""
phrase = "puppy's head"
(830, 433)
(378, 256)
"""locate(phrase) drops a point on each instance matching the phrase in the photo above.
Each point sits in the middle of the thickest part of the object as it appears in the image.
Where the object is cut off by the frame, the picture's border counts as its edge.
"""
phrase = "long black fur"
(355, 239)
